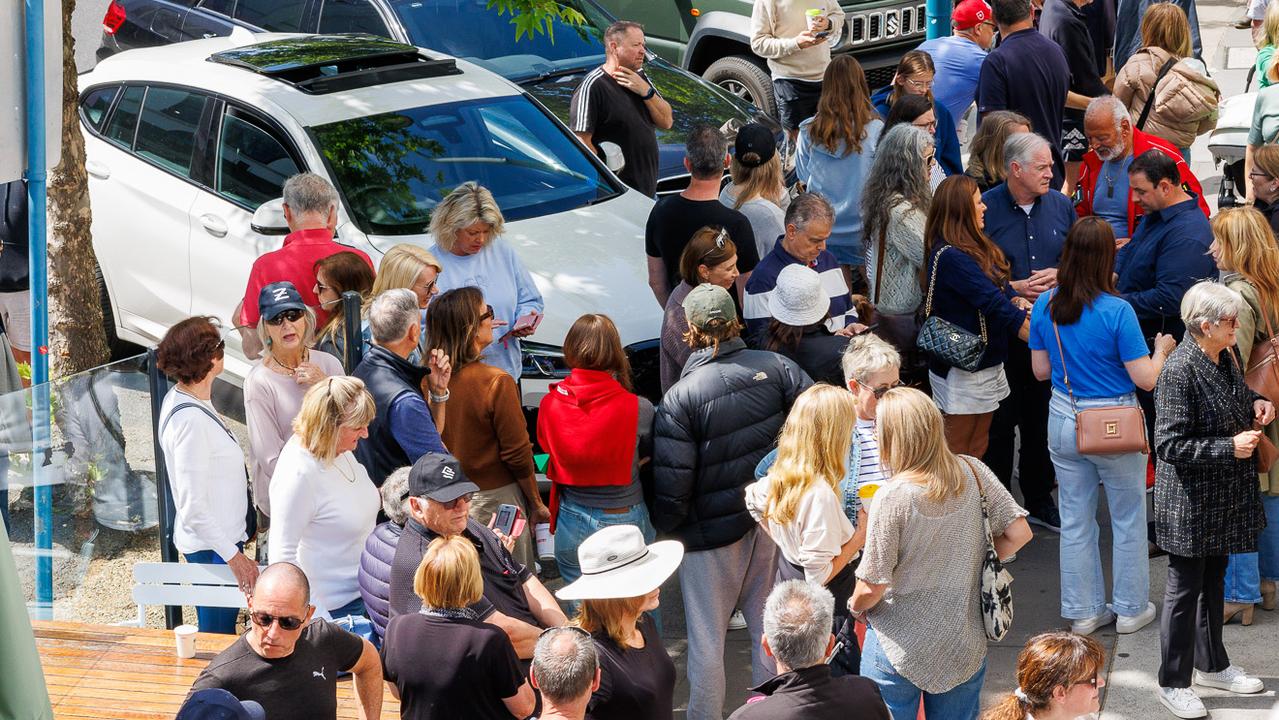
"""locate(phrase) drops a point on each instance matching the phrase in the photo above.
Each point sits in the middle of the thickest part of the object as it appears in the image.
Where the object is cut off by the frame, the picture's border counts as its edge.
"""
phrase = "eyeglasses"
(265, 620)
(1090, 681)
(882, 390)
(488, 313)
(1259, 174)
(426, 289)
(287, 315)
(464, 498)
(929, 126)
(930, 160)
(1232, 321)
(570, 628)
(920, 84)
(320, 287)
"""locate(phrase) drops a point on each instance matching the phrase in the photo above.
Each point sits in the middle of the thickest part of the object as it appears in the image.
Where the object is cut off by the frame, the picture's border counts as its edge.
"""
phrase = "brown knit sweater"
(485, 427)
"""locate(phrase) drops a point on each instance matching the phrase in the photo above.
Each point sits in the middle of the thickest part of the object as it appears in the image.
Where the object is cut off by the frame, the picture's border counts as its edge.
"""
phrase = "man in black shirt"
(288, 662)
(566, 670)
(616, 103)
(675, 218)
(1066, 23)
(439, 503)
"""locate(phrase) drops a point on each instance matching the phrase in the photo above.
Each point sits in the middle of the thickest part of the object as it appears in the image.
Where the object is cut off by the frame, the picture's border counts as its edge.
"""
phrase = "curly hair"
(187, 352)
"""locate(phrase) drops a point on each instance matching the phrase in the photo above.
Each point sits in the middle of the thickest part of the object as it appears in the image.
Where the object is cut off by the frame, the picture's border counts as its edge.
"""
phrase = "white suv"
(185, 142)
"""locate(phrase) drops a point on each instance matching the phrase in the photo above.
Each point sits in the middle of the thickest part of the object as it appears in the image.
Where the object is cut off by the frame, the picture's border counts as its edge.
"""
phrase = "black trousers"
(1025, 407)
(1190, 625)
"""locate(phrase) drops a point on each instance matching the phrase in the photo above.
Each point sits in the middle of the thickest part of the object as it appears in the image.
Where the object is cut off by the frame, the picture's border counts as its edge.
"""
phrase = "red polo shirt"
(294, 262)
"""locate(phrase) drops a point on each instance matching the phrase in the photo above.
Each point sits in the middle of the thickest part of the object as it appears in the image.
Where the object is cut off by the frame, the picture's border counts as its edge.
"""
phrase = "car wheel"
(744, 78)
(117, 347)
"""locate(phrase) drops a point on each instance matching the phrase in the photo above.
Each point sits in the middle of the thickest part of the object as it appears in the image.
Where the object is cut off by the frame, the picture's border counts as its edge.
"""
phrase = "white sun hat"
(616, 563)
(798, 299)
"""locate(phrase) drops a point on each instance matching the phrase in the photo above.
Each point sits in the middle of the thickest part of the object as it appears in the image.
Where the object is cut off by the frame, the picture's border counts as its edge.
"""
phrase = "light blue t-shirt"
(1110, 198)
(958, 62)
(1104, 338)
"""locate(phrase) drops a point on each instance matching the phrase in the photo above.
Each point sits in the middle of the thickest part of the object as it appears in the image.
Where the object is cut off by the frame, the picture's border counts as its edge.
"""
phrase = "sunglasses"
(882, 390)
(265, 620)
(464, 498)
(287, 315)
(720, 237)
(488, 313)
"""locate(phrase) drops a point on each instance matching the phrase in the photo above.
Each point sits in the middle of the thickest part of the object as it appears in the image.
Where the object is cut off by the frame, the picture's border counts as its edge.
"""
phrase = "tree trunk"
(77, 338)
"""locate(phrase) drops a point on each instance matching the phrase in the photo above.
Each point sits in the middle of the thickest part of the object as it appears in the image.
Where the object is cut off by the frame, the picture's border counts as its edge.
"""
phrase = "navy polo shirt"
(1167, 254)
(1030, 242)
(1028, 74)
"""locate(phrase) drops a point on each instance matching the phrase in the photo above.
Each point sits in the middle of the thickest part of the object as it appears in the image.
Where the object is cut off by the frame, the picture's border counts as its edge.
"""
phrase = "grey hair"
(807, 207)
(706, 149)
(308, 335)
(1020, 148)
(1208, 301)
(307, 193)
(395, 495)
(391, 314)
(897, 174)
(465, 205)
(866, 355)
(1108, 103)
(798, 617)
(564, 664)
(619, 28)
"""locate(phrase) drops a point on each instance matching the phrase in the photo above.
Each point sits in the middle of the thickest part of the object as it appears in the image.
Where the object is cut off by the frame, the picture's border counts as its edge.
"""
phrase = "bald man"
(288, 662)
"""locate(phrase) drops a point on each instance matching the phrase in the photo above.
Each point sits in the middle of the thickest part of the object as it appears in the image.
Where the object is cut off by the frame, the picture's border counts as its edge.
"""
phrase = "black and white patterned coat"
(1207, 501)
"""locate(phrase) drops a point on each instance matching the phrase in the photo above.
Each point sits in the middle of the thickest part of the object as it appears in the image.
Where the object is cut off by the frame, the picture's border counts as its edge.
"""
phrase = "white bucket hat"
(798, 299)
(616, 563)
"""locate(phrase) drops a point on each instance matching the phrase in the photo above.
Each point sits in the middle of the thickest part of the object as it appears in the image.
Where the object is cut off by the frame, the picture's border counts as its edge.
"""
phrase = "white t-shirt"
(814, 536)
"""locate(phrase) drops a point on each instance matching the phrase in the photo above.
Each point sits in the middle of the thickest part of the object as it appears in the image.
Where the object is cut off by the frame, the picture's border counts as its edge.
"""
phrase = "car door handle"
(97, 169)
(213, 224)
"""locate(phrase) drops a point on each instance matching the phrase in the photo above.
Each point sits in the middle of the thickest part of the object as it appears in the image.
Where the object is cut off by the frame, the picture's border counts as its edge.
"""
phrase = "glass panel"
(95, 105)
(352, 16)
(124, 121)
(222, 7)
(273, 15)
(166, 133)
(252, 164)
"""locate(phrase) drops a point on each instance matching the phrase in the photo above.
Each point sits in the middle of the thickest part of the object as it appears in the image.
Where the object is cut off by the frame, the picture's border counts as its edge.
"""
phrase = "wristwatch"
(651, 92)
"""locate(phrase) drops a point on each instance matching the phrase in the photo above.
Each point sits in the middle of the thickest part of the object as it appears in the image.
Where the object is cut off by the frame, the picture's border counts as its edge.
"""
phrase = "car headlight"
(542, 361)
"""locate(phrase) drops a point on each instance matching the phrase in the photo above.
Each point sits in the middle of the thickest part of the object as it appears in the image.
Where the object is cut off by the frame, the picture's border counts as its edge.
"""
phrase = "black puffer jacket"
(712, 428)
(375, 573)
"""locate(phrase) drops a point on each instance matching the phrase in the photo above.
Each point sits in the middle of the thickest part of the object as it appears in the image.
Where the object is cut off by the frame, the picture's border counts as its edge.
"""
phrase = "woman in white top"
(274, 387)
(204, 463)
(758, 190)
(325, 504)
(919, 578)
(1059, 677)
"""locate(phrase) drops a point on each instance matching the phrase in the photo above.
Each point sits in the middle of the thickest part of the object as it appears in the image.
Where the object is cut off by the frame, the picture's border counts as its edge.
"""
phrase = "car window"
(222, 7)
(393, 168)
(252, 163)
(273, 15)
(352, 16)
(124, 121)
(95, 105)
(167, 126)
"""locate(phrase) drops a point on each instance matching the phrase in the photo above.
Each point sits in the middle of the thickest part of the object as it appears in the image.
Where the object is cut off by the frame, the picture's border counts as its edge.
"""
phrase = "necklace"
(1110, 182)
(349, 478)
(289, 370)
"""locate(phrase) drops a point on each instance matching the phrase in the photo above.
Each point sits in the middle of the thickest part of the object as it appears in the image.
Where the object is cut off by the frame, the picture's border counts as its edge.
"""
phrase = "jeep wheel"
(744, 78)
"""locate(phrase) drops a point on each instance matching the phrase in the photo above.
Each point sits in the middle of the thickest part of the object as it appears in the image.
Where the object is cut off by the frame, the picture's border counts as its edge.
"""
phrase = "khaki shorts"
(15, 312)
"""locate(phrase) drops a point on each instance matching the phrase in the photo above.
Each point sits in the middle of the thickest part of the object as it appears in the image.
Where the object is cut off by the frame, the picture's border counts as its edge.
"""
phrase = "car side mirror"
(268, 219)
(613, 157)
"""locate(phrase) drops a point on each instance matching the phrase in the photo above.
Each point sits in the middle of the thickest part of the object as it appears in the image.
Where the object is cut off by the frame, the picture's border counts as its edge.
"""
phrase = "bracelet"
(439, 398)
(648, 95)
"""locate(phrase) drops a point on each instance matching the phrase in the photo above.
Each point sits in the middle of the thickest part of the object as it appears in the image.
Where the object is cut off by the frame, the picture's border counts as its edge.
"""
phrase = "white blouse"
(814, 536)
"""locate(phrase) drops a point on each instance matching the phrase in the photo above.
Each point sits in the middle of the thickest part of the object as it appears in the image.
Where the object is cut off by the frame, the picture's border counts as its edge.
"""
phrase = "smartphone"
(822, 35)
(504, 519)
(532, 320)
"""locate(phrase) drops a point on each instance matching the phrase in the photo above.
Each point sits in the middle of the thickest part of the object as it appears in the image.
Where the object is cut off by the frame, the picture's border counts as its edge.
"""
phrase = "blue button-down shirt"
(1030, 242)
(1167, 254)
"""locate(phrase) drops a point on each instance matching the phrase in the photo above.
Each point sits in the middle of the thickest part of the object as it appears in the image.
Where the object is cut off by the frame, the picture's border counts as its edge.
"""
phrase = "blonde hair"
(764, 181)
(1248, 246)
(308, 335)
(337, 402)
(812, 448)
(612, 616)
(912, 442)
(449, 574)
(1269, 34)
(1165, 26)
(400, 267)
(986, 155)
(466, 205)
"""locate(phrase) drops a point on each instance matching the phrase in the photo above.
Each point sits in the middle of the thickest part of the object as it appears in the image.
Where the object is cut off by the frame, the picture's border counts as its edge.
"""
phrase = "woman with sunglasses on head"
(204, 462)
(486, 430)
(274, 387)
(1059, 677)
(709, 257)
(334, 275)
(324, 503)
(914, 76)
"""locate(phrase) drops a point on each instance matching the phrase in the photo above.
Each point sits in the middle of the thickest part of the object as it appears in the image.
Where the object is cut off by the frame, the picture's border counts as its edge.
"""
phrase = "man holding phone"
(795, 37)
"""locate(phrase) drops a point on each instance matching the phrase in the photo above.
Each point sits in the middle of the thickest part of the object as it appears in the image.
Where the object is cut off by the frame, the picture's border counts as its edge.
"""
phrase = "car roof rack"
(321, 64)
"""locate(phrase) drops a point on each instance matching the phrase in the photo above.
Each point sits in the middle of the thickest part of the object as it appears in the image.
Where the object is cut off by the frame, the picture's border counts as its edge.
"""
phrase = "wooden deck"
(115, 673)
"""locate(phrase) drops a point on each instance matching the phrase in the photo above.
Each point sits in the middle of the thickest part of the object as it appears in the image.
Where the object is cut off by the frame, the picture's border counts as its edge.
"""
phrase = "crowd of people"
(864, 343)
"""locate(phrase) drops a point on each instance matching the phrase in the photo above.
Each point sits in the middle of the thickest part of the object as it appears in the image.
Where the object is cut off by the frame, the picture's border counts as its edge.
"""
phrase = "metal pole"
(938, 18)
(158, 385)
(37, 187)
(353, 337)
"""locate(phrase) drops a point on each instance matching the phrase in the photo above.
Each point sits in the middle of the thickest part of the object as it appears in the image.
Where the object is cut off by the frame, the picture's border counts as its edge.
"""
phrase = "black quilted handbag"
(945, 341)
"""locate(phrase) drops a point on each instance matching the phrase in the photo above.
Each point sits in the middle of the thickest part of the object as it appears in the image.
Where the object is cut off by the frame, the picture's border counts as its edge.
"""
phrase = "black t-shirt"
(611, 113)
(302, 685)
(674, 219)
(504, 577)
(635, 683)
(450, 667)
(1028, 73)
(1067, 25)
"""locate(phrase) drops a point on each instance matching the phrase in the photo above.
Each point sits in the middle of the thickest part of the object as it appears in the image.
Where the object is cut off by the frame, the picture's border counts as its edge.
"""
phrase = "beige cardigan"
(1185, 103)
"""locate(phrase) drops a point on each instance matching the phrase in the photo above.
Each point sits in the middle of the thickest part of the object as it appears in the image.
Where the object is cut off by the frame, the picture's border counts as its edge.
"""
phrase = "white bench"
(183, 584)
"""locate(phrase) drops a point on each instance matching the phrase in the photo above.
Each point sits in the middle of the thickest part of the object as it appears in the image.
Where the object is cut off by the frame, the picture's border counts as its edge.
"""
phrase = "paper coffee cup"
(814, 17)
(184, 639)
(867, 490)
(545, 541)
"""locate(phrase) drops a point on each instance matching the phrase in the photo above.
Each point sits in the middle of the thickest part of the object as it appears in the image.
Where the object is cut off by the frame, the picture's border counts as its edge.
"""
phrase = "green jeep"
(712, 38)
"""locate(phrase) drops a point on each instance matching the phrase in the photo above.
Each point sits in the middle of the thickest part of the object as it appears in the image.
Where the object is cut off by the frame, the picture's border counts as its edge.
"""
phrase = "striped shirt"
(764, 279)
(609, 112)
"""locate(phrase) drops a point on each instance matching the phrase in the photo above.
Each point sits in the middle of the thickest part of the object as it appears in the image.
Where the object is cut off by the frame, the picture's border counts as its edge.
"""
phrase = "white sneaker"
(1132, 623)
(1089, 625)
(1232, 678)
(1182, 702)
(737, 621)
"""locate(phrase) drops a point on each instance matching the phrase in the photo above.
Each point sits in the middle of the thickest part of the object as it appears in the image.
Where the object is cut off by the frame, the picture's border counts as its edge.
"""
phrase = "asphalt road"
(86, 28)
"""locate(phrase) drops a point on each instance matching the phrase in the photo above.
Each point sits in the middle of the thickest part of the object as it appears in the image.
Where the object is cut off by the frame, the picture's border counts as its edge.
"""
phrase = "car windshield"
(393, 168)
(469, 29)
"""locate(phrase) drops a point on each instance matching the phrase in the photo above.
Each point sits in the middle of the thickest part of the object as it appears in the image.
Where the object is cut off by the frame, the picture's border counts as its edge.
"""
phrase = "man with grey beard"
(1103, 178)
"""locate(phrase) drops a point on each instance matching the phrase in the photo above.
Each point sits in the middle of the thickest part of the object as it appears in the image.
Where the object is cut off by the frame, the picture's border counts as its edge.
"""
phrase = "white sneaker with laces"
(1233, 679)
(1182, 702)
(1132, 623)
(1088, 626)
(737, 621)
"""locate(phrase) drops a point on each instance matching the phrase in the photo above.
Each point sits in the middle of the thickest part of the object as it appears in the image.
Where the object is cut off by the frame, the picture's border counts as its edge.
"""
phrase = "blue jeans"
(1083, 589)
(1247, 570)
(576, 522)
(962, 702)
(5, 520)
(214, 619)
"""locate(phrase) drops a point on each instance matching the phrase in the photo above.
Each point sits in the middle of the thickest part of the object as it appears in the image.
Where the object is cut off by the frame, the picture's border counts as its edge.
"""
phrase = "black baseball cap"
(439, 477)
(755, 145)
(279, 297)
(218, 704)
